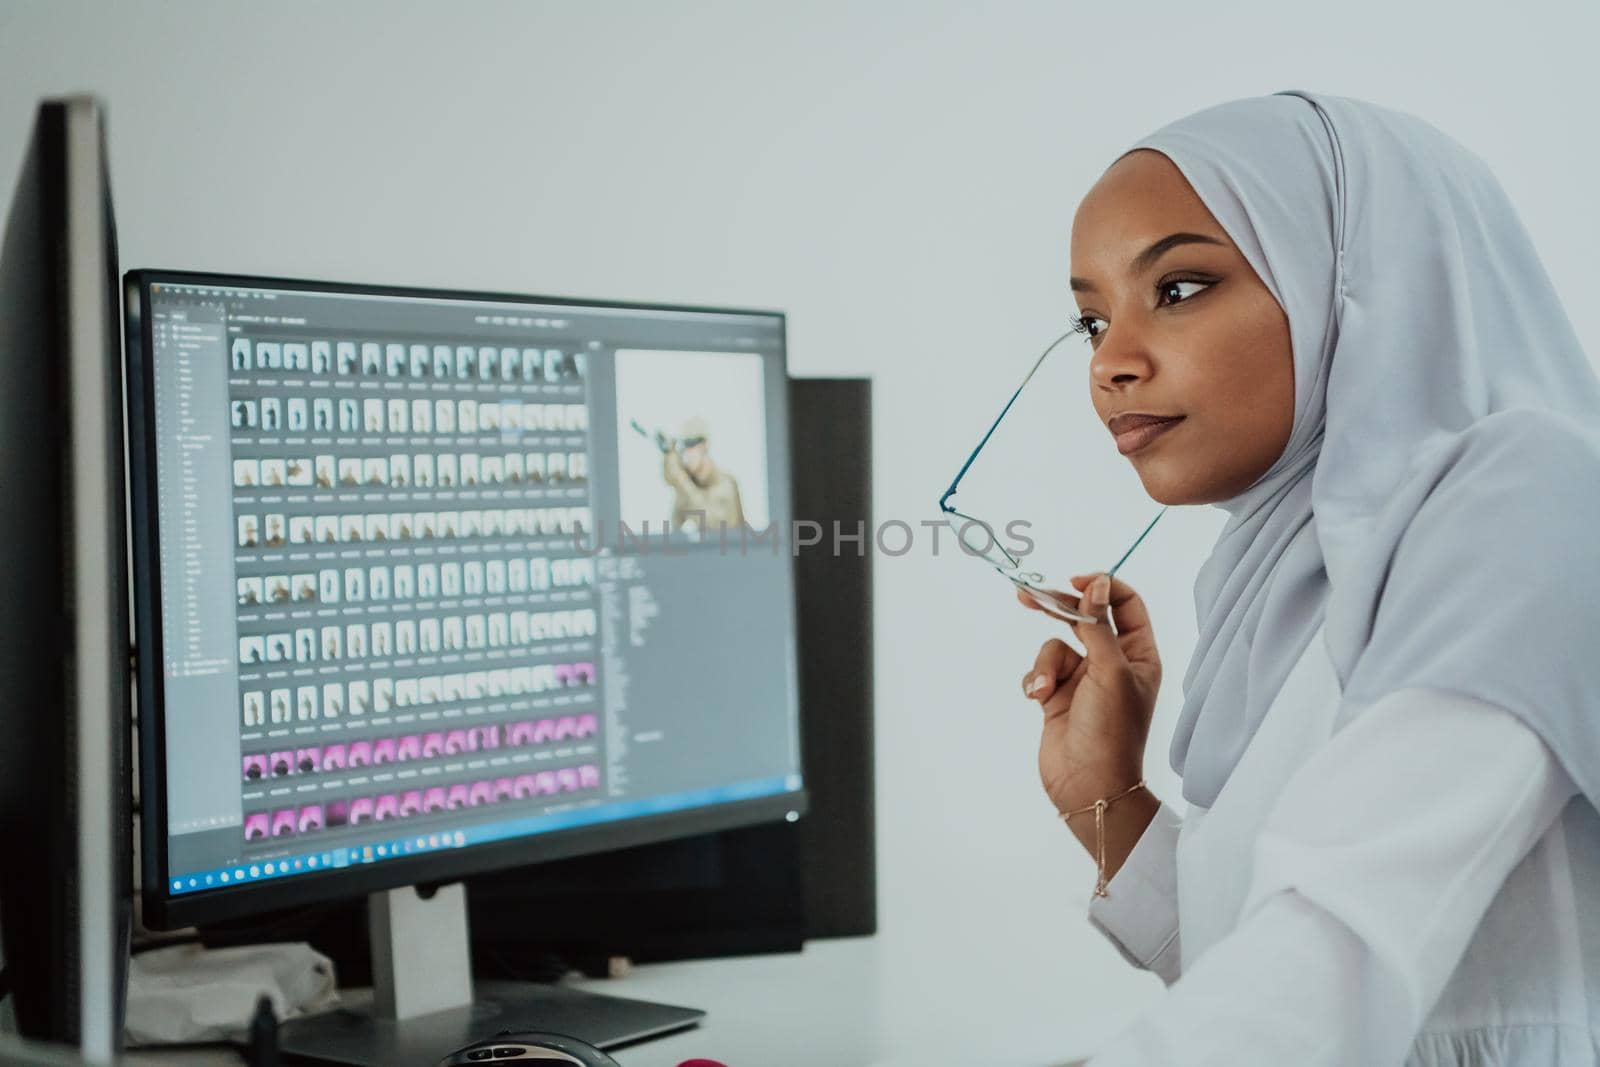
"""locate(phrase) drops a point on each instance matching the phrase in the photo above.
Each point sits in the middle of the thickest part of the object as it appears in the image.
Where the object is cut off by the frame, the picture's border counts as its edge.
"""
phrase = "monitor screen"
(435, 582)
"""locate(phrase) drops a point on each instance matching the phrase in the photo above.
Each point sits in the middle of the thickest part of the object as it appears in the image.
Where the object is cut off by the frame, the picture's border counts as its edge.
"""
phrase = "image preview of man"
(698, 483)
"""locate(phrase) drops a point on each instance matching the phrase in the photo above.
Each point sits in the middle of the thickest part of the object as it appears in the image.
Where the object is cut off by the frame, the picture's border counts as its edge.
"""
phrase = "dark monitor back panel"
(748, 890)
(837, 842)
(36, 754)
(63, 663)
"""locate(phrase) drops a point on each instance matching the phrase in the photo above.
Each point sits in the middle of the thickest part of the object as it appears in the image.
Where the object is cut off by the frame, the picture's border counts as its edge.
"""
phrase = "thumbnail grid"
(407, 518)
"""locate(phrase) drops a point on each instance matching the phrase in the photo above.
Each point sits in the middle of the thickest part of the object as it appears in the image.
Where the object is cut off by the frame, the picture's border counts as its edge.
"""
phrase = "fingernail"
(1037, 684)
(1102, 589)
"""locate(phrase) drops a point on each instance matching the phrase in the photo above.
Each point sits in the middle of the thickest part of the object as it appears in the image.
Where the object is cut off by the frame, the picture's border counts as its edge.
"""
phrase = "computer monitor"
(434, 582)
(65, 875)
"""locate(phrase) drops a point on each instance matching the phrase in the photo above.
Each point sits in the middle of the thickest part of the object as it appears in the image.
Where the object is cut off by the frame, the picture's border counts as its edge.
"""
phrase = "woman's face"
(1190, 330)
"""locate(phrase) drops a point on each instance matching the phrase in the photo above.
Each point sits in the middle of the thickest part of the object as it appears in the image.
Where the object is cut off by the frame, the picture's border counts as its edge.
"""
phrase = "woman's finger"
(1056, 660)
(1099, 642)
(1039, 599)
(1132, 619)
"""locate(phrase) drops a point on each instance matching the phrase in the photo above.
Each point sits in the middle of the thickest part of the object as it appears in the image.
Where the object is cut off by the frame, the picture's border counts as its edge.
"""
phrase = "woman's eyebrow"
(1144, 260)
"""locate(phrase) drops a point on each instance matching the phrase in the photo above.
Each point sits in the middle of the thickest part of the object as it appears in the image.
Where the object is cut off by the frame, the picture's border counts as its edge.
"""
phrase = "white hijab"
(1438, 502)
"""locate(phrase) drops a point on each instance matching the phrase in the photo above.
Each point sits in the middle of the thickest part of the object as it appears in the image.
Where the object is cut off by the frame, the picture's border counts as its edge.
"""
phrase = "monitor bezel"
(164, 910)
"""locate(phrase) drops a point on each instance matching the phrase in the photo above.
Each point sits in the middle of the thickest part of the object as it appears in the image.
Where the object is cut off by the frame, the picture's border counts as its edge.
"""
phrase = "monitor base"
(354, 1035)
(424, 1005)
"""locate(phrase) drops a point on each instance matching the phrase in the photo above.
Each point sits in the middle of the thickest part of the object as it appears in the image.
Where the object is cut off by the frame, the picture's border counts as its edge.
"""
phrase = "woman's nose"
(1120, 359)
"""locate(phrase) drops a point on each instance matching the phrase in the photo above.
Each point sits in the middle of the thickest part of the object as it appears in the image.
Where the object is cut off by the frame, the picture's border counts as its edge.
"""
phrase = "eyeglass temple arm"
(1142, 536)
(948, 493)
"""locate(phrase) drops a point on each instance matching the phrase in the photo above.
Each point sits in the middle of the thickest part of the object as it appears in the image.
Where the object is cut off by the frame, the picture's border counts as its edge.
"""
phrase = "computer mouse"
(538, 1048)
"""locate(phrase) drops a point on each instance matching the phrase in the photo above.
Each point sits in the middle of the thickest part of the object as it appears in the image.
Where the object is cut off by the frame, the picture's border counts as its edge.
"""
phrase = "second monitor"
(435, 582)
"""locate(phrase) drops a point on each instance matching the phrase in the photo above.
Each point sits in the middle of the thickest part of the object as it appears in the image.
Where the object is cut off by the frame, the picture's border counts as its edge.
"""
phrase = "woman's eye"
(1081, 325)
(1167, 287)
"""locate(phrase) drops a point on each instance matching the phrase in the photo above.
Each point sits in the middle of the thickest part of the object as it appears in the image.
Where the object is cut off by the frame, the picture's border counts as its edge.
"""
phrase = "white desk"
(818, 1007)
(828, 1006)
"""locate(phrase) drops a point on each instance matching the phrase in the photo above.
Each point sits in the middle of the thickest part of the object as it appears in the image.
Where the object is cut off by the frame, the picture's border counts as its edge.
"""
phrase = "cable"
(263, 1050)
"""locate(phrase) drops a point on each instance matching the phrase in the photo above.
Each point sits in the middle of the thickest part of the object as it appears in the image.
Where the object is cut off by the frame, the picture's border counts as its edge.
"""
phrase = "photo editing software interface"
(437, 571)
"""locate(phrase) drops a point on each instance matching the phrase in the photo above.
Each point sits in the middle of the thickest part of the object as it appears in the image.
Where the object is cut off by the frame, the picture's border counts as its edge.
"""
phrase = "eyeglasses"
(978, 537)
(663, 441)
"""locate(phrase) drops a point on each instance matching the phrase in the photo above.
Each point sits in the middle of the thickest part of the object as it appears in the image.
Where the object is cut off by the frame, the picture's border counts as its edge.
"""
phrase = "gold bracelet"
(1099, 808)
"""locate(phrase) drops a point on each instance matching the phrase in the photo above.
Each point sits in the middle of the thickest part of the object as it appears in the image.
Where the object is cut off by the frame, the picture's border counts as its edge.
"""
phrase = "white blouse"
(1416, 882)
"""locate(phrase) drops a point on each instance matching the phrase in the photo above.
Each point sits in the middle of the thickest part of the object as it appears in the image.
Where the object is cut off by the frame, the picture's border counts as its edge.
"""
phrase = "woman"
(1390, 736)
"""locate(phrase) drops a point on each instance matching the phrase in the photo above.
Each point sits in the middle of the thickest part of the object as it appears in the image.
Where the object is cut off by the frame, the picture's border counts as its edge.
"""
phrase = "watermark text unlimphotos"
(894, 537)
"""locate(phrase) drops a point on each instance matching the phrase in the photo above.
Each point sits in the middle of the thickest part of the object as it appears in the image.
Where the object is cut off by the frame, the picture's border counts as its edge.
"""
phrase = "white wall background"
(900, 177)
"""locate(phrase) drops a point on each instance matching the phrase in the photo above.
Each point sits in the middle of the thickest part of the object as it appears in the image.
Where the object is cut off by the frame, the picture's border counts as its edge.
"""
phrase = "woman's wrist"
(1124, 821)
(1095, 780)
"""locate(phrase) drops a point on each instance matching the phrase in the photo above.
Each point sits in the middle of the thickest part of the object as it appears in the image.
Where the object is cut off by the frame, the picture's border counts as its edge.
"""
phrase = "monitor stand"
(424, 1004)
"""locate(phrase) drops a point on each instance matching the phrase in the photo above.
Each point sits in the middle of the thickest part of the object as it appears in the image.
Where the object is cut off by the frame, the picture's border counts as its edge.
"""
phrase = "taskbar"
(421, 843)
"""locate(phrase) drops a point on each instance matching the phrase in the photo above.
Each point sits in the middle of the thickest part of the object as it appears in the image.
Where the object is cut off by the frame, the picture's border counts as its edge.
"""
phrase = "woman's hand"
(1097, 708)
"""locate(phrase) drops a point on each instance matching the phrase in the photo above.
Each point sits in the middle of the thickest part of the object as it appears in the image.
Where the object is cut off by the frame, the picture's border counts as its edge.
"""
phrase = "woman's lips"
(1135, 439)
